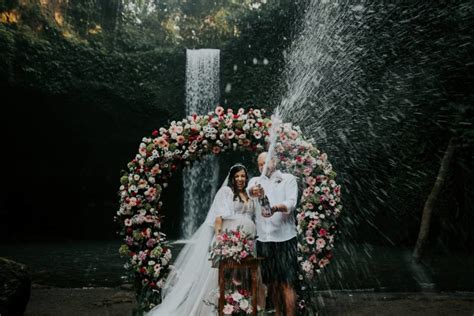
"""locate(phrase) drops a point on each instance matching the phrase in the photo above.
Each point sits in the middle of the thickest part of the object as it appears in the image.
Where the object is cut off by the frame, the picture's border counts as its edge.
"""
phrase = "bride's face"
(240, 179)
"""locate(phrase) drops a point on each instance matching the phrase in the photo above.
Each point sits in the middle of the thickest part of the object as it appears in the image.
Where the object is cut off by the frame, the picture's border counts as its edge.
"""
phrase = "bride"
(192, 279)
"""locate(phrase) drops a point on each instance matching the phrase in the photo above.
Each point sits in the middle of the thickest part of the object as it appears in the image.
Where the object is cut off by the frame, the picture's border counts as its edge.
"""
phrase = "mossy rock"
(15, 287)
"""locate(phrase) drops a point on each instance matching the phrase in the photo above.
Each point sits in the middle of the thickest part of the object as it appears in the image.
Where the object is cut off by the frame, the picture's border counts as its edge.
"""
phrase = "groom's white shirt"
(280, 188)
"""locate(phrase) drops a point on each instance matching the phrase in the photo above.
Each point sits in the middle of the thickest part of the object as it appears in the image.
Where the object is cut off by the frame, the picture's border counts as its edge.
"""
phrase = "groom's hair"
(233, 170)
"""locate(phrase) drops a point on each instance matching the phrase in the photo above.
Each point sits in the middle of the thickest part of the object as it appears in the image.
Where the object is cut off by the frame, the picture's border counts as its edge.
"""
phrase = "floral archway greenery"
(186, 141)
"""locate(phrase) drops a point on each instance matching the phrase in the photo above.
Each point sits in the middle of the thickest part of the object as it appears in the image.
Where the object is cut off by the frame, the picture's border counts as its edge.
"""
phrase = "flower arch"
(185, 141)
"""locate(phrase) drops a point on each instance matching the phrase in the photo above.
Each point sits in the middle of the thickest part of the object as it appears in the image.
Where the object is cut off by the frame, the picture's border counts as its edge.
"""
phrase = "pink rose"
(180, 139)
(320, 243)
(294, 134)
(162, 142)
(229, 134)
(219, 110)
(311, 181)
(307, 171)
(323, 262)
(228, 309)
(308, 191)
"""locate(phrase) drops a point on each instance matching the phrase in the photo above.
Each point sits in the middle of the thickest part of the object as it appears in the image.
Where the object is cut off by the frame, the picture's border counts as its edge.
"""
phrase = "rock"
(35, 286)
(127, 286)
(121, 297)
(15, 287)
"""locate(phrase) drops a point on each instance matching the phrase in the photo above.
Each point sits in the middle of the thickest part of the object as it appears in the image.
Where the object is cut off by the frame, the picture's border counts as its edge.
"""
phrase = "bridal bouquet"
(237, 302)
(234, 244)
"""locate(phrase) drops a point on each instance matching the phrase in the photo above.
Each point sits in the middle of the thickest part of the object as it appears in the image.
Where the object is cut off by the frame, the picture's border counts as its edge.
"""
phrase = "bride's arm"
(218, 225)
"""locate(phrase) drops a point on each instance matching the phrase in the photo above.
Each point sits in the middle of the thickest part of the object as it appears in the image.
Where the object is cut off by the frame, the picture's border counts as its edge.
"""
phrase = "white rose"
(237, 296)
(244, 304)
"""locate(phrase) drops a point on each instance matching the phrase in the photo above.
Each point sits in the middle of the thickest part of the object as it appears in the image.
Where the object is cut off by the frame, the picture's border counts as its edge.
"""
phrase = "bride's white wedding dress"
(193, 280)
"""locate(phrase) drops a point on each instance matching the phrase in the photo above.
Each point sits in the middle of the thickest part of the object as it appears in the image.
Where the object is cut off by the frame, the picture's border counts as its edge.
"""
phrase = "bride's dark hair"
(233, 170)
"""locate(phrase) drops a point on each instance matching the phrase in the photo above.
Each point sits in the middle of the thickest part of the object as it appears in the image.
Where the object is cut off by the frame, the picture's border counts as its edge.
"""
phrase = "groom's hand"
(257, 191)
(279, 208)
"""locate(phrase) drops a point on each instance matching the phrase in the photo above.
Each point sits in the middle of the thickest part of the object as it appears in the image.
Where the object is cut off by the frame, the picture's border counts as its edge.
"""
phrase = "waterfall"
(202, 96)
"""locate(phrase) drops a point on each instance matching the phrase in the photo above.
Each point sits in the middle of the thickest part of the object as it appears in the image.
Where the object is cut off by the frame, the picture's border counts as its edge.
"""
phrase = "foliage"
(124, 78)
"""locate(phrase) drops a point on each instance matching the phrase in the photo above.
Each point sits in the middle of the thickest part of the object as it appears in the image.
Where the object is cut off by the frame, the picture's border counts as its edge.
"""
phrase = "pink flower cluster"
(215, 132)
(159, 155)
(233, 245)
(320, 204)
(238, 302)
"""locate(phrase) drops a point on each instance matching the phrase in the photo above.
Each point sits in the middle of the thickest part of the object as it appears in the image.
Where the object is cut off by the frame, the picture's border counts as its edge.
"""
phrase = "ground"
(119, 301)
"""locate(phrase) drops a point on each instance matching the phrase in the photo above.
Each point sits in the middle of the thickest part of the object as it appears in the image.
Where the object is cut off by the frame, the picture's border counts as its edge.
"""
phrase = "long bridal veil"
(192, 279)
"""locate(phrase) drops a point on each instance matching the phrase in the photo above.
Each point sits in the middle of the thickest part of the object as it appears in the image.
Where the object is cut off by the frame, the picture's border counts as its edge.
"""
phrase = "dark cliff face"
(74, 109)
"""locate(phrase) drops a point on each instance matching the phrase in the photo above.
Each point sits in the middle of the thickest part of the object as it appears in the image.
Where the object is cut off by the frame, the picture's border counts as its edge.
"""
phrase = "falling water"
(202, 95)
(367, 89)
(276, 124)
(320, 63)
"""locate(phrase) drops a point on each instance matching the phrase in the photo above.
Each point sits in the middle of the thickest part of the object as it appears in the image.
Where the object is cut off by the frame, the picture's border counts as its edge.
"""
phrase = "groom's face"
(261, 163)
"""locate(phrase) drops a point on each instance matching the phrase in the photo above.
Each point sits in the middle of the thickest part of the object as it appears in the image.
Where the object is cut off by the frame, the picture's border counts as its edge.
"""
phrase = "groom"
(276, 233)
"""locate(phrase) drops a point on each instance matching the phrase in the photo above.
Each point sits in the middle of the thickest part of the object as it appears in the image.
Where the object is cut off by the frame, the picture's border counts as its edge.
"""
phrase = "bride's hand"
(218, 225)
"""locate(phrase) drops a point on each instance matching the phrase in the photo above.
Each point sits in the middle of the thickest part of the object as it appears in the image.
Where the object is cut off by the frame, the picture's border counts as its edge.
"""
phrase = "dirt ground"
(116, 301)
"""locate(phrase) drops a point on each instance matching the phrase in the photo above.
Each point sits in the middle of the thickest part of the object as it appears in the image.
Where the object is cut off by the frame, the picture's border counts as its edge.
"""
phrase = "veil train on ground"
(192, 278)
